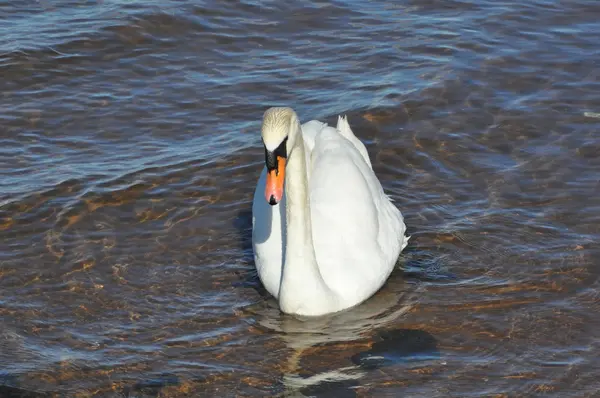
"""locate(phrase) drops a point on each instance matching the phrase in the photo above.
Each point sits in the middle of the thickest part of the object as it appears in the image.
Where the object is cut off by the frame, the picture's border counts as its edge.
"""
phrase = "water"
(130, 149)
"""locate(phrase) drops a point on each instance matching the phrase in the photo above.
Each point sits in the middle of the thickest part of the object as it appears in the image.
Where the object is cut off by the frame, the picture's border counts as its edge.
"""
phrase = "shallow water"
(130, 148)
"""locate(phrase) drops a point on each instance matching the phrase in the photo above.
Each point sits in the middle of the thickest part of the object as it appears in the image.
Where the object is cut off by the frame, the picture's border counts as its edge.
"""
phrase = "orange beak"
(275, 179)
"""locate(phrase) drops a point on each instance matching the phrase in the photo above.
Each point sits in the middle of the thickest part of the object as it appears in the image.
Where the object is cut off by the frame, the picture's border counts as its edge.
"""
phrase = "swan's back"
(310, 131)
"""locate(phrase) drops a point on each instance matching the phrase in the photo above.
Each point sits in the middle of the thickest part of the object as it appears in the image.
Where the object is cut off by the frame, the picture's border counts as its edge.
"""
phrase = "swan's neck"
(302, 289)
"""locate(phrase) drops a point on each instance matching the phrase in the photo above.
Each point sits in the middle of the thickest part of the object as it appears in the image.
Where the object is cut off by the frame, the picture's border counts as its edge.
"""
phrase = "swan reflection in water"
(374, 327)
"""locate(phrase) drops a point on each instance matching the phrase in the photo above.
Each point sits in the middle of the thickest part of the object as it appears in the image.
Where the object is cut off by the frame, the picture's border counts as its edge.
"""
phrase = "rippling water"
(130, 148)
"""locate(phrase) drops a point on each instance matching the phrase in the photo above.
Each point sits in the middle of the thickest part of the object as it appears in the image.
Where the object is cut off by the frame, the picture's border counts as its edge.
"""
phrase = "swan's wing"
(310, 131)
(349, 213)
(267, 237)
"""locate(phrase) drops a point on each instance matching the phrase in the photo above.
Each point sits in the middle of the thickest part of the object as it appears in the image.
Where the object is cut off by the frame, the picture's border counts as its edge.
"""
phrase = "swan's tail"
(344, 129)
(405, 243)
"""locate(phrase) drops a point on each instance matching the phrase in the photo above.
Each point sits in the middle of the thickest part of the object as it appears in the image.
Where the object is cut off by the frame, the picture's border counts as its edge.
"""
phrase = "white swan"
(325, 235)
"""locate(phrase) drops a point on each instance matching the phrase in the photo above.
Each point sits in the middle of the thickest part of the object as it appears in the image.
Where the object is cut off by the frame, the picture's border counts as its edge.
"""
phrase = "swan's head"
(279, 130)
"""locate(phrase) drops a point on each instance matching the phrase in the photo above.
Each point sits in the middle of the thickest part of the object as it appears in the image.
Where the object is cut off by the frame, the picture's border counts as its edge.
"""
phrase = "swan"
(325, 235)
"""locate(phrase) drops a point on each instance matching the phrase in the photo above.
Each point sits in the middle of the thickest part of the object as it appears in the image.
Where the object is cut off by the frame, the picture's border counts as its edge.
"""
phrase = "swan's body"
(334, 237)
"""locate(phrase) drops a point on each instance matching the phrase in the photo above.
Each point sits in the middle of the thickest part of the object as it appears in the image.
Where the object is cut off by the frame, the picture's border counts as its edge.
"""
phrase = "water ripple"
(129, 151)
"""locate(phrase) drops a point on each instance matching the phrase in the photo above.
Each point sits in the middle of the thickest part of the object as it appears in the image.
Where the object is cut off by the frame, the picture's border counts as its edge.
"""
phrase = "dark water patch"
(398, 346)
